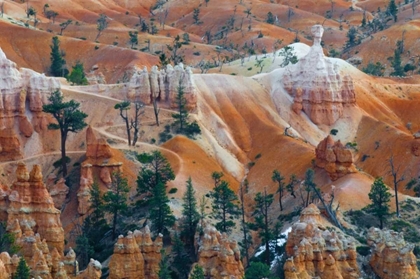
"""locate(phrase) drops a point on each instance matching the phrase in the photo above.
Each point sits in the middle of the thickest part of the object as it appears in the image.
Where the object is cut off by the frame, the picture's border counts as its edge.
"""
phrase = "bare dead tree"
(156, 109)
(397, 178)
(135, 122)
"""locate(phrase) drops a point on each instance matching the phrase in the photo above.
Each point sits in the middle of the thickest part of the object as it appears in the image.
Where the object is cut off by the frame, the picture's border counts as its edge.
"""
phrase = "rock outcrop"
(312, 250)
(100, 160)
(16, 88)
(136, 256)
(58, 190)
(317, 85)
(335, 158)
(163, 85)
(92, 271)
(392, 257)
(219, 256)
(32, 205)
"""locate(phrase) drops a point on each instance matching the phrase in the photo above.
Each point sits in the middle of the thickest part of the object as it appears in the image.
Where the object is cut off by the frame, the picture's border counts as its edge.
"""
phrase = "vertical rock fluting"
(317, 85)
(136, 256)
(58, 190)
(32, 205)
(16, 88)
(127, 260)
(335, 158)
(313, 250)
(163, 85)
(392, 257)
(219, 257)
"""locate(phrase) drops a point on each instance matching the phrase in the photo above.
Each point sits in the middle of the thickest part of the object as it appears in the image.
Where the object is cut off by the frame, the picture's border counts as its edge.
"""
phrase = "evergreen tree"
(69, 119)
(257, 270)
(393, 9)
(374, 69)
(224, 206)
(309, 184)
(415, 185)
(124, 106)
(7, 241)
(22, 271)
(77, 75)
(160, 212)
(101, 25)
(115, 200)
(190, 216)
(133, 38)
(270, 18)
(276, 177)
(262, 221)
(290, 187)
(352, 37)
(57, 61)
(164, 271)
(181, 260)
(289, 56)
(380, 196)
(396, 64)
(155, 169)
(181, 117)
(97, 203)
(84, 251)
(196, 14)
(197, 273)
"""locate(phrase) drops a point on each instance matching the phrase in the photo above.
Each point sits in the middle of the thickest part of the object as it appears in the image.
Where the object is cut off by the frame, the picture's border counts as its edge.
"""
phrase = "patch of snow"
(280, 241)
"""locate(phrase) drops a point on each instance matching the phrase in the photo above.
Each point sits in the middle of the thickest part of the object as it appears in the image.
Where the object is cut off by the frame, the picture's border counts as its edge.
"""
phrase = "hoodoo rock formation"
(392, 257)
(31, 204)
(58, 190)
(17, 89)
(312, 250)
(317, 86)
(136, 256)
(335, 158)
(99, 158)
(163, 85)
(219, 257)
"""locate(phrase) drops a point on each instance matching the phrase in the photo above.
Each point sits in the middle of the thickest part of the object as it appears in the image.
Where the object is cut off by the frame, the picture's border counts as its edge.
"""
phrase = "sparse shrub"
(173, 190)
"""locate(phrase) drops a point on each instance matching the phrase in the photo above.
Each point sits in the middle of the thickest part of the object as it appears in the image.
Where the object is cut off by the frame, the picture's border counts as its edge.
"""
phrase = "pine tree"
(380, 196)
(270, 18)
(77, 75)
(190, 216)
(164, 272)
(57, 61)
(393, 9)
(181, 260)
(197, 272)
(415, 185)
(22, 271)
(160, 212)
(262, 221)
(196, 14)
(69, 119)
(309, 184)
(155, 169)
(115, 200)
(276, 177)
(133, 38)
(97, 203)
(396, 64)
(7, 241)
(224, 206)
(290, 187)
(84, 251)
(181, 117)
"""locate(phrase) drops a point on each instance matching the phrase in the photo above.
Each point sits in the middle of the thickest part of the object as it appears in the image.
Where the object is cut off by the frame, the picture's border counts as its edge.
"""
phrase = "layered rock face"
(163, 85)
(136, 256)
(219, 257)
(58, 190)
(313, 250)
(92, 271)
(335, 158)
(317, 86)
(32, 205)
(392, 257)
(99, 159)
(16, 88)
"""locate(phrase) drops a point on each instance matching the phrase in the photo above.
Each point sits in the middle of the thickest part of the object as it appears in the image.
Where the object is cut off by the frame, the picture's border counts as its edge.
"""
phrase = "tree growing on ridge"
(380, 197)
(155, 170)
(22, 271)
(393, 9)
(190, 216)
(101, 25)
(276, 177)
(224, 205)
(262, 221)
(133, 38)
(160, 212)
(69, 119)
(57, 68)
(115, 200)
(77, 75)
(63, 25)
(123, 107)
